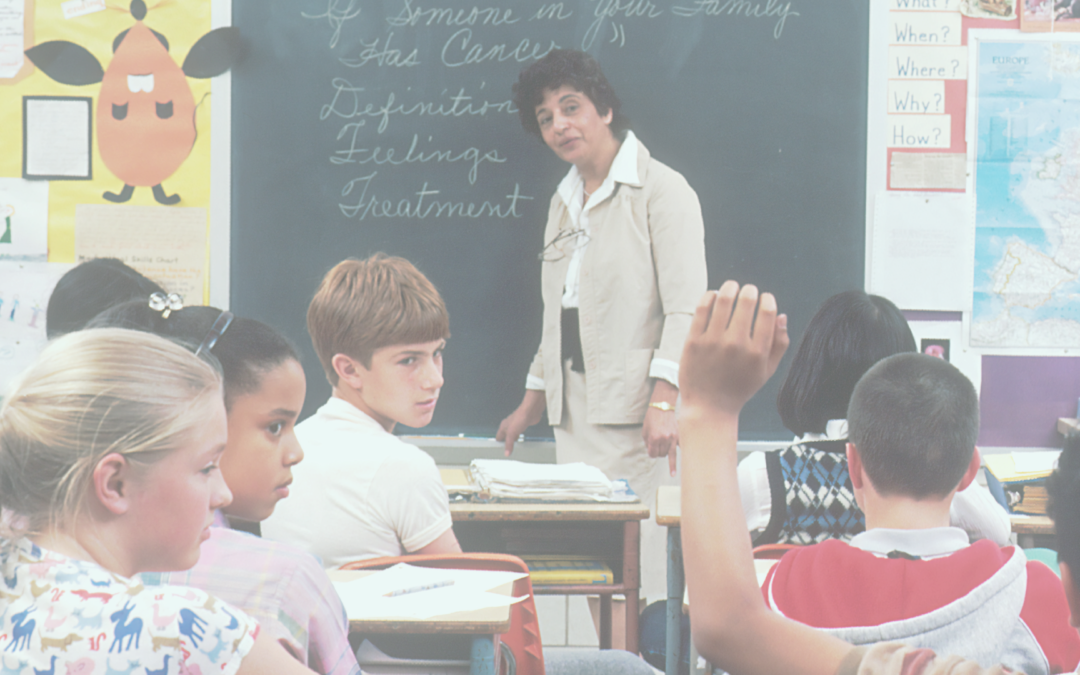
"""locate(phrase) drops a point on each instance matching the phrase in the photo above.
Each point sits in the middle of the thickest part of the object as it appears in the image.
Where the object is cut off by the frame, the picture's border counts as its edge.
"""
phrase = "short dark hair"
(914, 420)
(573, 68)
(1064, 507)
(850, 332)
(246, 351)
(90, 288)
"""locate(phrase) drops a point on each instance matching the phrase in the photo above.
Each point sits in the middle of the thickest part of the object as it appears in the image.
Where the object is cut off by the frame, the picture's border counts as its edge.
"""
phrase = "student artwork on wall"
(58, 140)
(1050, 16)
(146, 108)
(16, 34)
(24, 294)
(24, 211)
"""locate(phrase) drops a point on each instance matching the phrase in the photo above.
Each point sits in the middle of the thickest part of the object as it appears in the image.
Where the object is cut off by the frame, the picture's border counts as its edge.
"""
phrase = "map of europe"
(1027, 196)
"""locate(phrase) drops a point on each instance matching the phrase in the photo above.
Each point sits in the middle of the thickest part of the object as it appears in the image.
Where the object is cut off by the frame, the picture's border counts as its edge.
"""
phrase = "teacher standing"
(623, 269)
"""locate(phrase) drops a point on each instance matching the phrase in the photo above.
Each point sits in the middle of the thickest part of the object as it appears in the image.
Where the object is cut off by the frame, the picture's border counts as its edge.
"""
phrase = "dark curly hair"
(567, 67)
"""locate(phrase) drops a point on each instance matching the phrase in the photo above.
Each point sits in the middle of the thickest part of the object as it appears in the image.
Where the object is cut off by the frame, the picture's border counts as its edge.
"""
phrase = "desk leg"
(605, 622)
(632, 580)
(483, 656)
(675, 583)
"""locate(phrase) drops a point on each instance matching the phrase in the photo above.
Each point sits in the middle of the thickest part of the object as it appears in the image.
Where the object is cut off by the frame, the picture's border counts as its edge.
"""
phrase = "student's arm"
(267, 657)
(723, 366)
(445, 543)
(976, 511)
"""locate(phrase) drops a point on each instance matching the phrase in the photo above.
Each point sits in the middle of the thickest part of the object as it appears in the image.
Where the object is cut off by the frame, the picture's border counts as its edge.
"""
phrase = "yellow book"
(562, 570)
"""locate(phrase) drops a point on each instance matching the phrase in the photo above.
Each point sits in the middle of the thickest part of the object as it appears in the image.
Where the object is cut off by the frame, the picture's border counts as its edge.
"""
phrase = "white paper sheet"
(1036, 461)
(25, 288)
(12, 18)
(918, 239)
(57, 137)
(366, 598)
(24, 220)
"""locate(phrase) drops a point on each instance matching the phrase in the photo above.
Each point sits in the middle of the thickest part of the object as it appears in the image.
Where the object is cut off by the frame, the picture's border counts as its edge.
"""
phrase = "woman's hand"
(527, 414)
(660, 429)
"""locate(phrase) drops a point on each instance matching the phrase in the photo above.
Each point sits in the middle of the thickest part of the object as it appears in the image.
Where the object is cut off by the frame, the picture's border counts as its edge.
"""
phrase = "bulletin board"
(85, 141)
(973, 115)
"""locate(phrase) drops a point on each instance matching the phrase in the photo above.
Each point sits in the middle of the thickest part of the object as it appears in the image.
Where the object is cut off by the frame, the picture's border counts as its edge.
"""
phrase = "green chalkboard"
(385, 125)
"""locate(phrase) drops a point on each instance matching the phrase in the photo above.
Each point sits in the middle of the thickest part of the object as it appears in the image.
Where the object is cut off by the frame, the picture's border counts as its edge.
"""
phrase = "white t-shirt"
(360, 491)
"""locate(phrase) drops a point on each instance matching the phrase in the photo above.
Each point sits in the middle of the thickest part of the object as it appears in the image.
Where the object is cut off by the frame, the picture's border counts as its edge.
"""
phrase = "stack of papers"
(409, 592)
(509, 479)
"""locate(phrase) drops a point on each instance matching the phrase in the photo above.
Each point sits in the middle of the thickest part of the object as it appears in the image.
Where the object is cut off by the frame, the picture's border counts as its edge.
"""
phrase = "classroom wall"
(1023, 392)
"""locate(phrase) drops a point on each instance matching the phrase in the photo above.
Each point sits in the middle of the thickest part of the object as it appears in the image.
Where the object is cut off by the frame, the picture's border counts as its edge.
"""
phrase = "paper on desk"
(1035, 461)
(365, 598)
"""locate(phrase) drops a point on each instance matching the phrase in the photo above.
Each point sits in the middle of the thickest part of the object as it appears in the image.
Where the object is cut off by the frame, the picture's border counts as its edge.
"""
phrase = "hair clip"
(166, 304)
(221, 324)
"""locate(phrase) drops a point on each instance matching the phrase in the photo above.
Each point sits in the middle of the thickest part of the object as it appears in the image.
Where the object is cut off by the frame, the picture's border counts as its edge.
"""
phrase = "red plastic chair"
(772, 551)
(523, 638)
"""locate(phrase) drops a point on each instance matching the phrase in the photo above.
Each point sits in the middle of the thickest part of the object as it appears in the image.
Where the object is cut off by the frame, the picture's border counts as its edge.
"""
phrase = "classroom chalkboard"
(385, 125)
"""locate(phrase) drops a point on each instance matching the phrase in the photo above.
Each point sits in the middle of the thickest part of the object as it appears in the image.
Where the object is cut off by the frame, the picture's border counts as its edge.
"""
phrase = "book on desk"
(1021, 479)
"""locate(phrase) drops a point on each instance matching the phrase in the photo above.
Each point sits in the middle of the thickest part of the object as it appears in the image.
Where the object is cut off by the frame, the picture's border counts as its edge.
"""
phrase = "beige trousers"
(619, 451)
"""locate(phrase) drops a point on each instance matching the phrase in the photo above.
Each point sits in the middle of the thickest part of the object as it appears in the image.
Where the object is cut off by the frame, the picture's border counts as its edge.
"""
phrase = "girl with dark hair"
(802, 494)
(285, 588)
(90, 288)
(623, 265)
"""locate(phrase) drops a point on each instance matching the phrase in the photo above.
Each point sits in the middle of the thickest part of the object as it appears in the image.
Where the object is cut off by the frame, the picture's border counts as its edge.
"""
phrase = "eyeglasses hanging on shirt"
(563, 245)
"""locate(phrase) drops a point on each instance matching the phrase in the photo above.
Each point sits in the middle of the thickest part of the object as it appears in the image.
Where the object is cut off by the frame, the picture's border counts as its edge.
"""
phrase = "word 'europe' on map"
(1027, 196)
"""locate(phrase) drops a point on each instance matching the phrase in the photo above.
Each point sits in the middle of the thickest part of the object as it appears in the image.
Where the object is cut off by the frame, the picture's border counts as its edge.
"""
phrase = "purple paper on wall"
(1022, 398)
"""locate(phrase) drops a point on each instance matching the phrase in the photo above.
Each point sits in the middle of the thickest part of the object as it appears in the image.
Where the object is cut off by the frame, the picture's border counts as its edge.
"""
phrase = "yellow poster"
(146, 69)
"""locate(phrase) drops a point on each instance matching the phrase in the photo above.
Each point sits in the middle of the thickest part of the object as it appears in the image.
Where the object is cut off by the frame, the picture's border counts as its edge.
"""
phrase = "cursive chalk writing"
(556, 11)
(346, 104)
(486, 16)
(420, 209)
(386, 56)
(607, 9)
(379, 156)
(336, 17)
(454, 55)
(751, 9)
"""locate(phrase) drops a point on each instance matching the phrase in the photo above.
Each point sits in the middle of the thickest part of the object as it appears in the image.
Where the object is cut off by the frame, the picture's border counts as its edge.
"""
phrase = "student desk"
(610, 531)
(1028, 527)
(484, 625)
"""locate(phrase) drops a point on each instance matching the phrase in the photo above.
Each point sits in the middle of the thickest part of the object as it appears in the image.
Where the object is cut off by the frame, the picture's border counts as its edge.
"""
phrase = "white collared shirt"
(360, 492)
(572, 191)
(927, 544)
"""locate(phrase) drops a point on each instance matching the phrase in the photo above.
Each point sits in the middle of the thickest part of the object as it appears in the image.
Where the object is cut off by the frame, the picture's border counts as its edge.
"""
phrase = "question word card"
(918, 131)
(924, 28)
(925, 5)
(927, 63)
(917, 96)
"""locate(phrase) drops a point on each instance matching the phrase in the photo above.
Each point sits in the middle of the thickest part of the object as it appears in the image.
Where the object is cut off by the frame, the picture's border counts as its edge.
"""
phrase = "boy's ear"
(973, 470)
(1072, 594)
(854, 465)
(110, 477)
(348, 371)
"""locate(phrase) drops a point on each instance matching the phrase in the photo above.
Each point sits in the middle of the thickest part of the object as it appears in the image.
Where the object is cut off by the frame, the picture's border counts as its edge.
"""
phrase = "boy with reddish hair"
(379, 328)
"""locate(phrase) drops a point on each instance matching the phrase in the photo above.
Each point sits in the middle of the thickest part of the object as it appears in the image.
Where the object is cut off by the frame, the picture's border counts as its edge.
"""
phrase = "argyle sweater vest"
(812, 497)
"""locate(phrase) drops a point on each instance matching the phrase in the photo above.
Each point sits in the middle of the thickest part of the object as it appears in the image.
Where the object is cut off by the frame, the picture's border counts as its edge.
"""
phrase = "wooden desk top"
(669, 510)
(490, 621)
(535, 511)
(1023, 524)
(668, 505)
